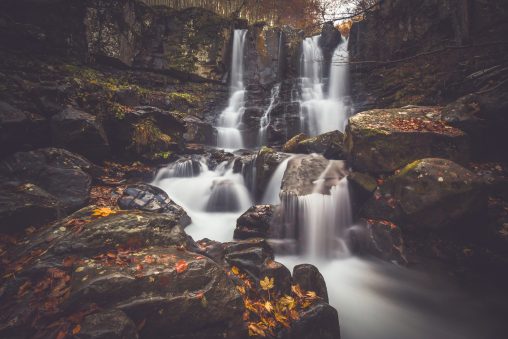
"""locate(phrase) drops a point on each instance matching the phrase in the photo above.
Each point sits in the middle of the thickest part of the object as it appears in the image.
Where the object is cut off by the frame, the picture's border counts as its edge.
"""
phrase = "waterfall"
(230, 120)
(265, 120)
(322, 112)
(271, 195)
(318, 221)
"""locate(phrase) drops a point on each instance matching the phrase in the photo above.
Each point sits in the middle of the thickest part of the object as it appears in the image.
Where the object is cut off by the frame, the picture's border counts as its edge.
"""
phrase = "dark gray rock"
(21, 130)
(319, 321)
(80, 132)
(429, 194)
(255, 223)
(112, 324)
(26, 205)
(63, 174)
(149, 198)
(310, 279)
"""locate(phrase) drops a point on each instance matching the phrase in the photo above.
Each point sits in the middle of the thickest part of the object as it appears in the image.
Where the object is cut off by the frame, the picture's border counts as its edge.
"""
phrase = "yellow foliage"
(102, 212)
(267, 283)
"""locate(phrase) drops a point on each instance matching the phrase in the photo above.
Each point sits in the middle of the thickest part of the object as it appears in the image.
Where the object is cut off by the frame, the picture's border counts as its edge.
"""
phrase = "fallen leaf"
(181, 266)
(267, 283)
(79, 269)
(76, 329)
(235, 270)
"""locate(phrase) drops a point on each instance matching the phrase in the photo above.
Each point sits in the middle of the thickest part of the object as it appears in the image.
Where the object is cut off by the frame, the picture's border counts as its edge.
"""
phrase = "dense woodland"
(305, 169)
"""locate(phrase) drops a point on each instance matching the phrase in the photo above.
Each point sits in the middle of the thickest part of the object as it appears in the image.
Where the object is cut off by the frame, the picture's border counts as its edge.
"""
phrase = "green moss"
(186, 97)
(409, 168)
(147, 138)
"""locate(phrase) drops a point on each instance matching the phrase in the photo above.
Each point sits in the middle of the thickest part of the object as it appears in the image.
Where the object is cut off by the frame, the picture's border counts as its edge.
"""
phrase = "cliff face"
(402, 29)
(123, 33)
(433, 52)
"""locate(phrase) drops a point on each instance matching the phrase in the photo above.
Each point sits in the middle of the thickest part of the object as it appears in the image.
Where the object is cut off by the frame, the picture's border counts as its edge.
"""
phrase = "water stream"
(228, 126)
(375, 300)
(323, 110)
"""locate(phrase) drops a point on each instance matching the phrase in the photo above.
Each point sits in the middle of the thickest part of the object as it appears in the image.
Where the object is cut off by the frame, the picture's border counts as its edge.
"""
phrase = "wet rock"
(80, 132)
(26, 205)
(292, 145)
(310, 279)
(267, 162)
(381, 239)
(329, 40)
(198, 131)
(384, 140)
(112, 324)
(207, 302)
(301, 173)
(362, 187)
(255, 223)
(149, 198)
(429, 194)
(63, 174)
(319, 321)
(140, 263)
(255, 257)
(329, 144)
(20, 130)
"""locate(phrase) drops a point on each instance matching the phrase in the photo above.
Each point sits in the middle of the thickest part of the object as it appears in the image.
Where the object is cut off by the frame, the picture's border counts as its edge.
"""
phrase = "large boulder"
(329, 144)
(63, 174)
(130, 267)
(428, 194)
(255, 222)
(149, 198)
(26, 205)
(80, 132)
(383, 140)
(20, 130)
(301, 173)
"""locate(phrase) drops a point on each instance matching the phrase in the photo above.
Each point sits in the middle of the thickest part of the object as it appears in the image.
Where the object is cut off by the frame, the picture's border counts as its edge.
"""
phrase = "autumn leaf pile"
(266, 310)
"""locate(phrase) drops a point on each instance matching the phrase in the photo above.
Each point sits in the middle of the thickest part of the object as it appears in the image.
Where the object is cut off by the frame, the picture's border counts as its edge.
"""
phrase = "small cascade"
(265, 120)
(229, 135)
(321, 111)
(319, 221)
(271, 195)
(185, 168)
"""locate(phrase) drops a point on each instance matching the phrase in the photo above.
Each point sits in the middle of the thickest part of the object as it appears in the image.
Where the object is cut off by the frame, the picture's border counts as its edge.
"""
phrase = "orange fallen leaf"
(181, 266)
(76, 329)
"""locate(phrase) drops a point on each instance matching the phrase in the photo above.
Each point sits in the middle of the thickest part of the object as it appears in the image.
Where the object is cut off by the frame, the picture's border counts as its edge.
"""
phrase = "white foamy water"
(213, 199)
(229, 135)
(322, 111)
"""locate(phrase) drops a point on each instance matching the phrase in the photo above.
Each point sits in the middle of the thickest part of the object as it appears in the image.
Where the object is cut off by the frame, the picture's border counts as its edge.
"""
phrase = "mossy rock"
(383, 140)
(429, 194)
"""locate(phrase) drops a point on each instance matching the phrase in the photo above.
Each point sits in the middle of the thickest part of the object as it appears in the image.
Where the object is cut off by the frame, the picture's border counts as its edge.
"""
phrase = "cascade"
(230, 120)
(264, 122)
(271, 195)
(212, 197)
(321, 111)
(318, 221)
